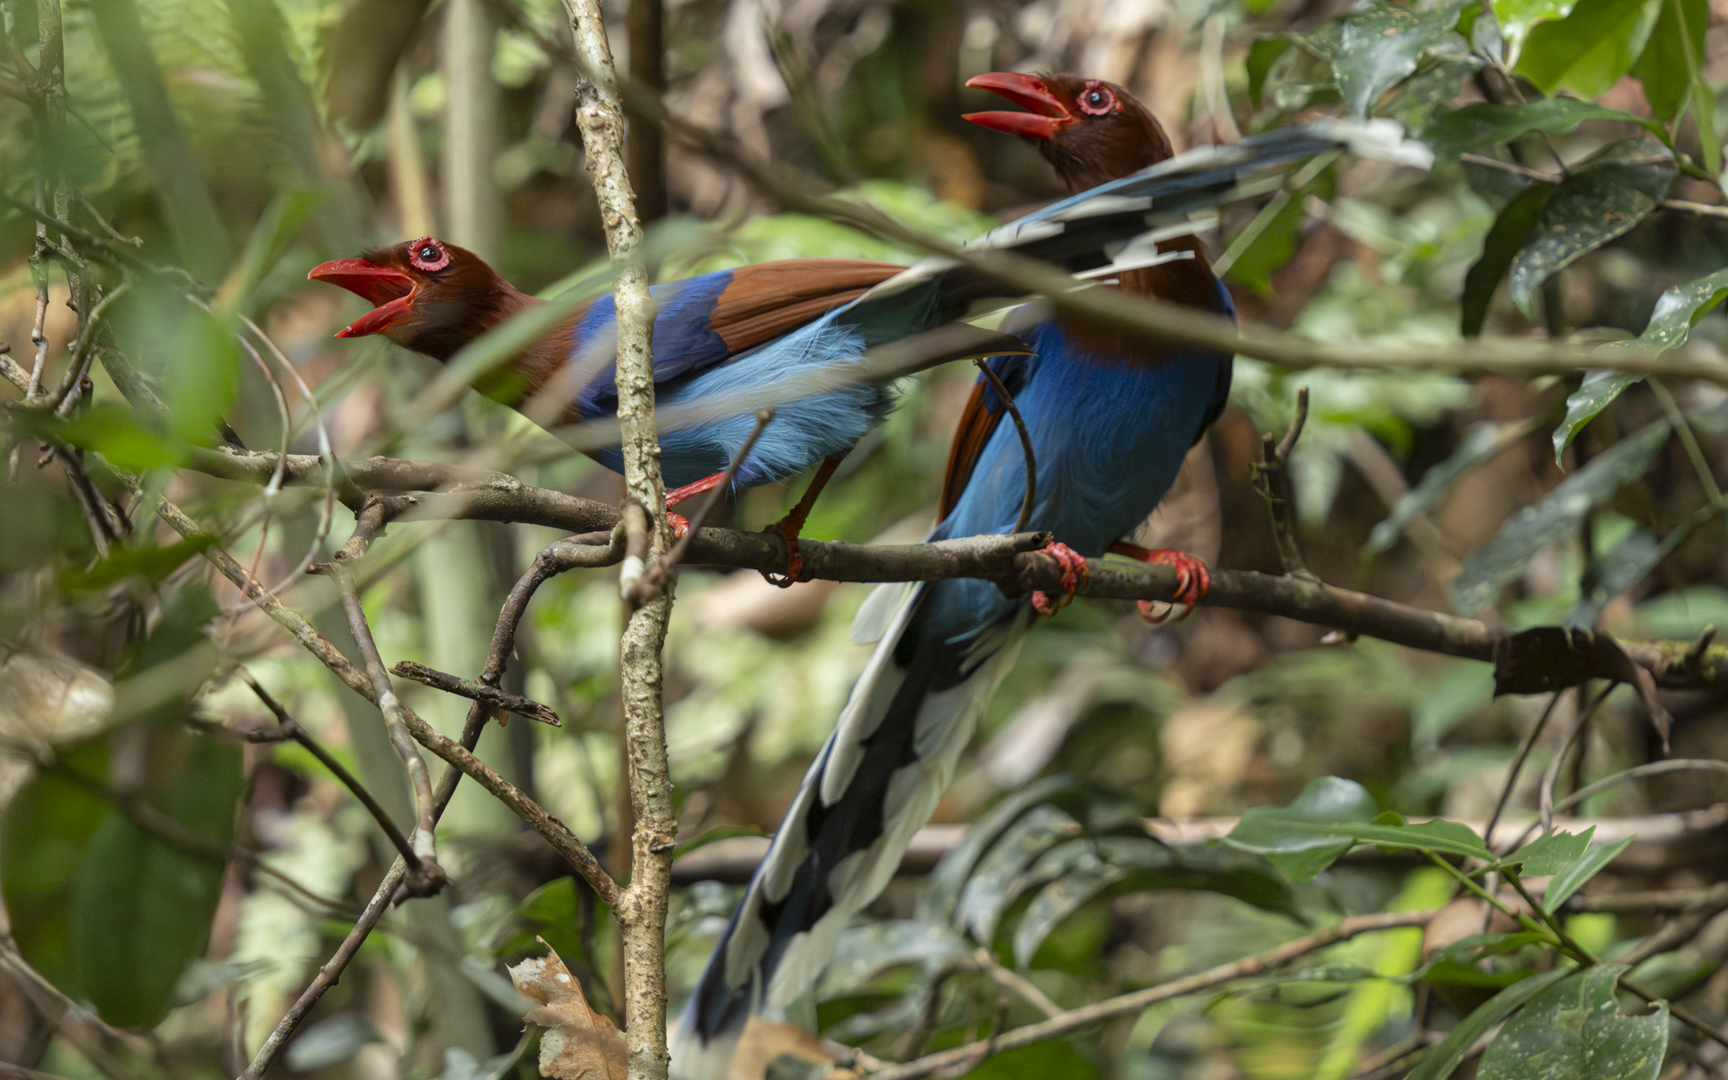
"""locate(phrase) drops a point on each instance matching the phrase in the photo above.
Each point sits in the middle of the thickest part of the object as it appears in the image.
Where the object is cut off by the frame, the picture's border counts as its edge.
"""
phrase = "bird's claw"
(680, 524)
(794, 557)
(1192, 582)
(1075, 575)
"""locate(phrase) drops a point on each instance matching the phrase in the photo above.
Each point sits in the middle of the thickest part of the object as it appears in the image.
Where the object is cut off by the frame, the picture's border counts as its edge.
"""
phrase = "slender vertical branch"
(425, 876)
(647, 146)
(642, 910)
(1272, 480)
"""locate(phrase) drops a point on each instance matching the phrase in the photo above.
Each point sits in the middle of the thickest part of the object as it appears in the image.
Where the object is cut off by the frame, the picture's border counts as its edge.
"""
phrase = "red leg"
(1075, 573)
(1192, 578)
(681, 524)
(793, 523)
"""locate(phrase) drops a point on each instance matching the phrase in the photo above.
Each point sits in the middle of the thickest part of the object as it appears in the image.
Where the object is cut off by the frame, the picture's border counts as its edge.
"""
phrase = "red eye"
(428, 254)
(1097, 101)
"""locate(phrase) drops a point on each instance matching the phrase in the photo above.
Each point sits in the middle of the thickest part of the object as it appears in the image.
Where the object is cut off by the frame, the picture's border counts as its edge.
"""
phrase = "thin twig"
(1016, 983)
(1524, 749)
(291, 729)
(1030, 499)
(476, 691)
(1272, 481)
(665, 568)
(425, 876)
(66, 397)
(1678, 1011)
(1140, 1000)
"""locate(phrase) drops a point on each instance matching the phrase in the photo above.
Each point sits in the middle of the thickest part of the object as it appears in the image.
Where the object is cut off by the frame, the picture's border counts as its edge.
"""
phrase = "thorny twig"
(1272, 481)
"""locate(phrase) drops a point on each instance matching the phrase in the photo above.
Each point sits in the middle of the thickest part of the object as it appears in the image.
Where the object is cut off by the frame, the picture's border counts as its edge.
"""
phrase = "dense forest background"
(171, 887)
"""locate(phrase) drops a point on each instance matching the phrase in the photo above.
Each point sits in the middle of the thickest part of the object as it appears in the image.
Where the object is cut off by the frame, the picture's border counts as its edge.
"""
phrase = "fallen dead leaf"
(579, 1043)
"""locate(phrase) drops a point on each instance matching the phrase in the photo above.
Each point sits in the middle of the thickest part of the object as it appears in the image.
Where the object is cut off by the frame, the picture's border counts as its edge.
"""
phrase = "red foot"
(794, 558)
(1192, 581)
(1075, 573)
(680, 524)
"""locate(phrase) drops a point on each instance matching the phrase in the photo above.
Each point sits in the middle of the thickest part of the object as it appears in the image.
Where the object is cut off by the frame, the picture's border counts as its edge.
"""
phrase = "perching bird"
(1110, 421)
(727, 342)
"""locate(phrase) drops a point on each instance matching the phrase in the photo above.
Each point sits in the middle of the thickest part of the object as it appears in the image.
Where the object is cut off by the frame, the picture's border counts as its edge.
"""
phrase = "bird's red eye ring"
(428, 254)
(1097, 101)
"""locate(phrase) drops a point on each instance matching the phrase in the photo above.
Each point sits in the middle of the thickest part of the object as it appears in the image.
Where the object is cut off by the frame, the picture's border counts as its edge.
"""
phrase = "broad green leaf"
(1443, 837)
(1613, 572)
(1273, 235)
(1596, 392)
(1516, 227)
(1573, 1030)
(1674, 50)
(1293, 836)
(937, 903)
(1552, 853)
(1590, 49)
(47, 827)
(275, 230)
(1371, 50)
(1572, 878)
(1677, 311)
(150, 563)
(1476, 127)
(1518, 17)
(141, 908)
(1599, 201)
(986, 892)
(1443, 1059)
(1413, 104)
(1054, 903)
(203, 375)
(1552, 520)
(1261, 56)
(1483, 442)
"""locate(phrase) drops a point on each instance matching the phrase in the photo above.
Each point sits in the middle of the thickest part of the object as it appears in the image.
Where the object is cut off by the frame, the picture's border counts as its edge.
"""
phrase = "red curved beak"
(391, 290)
(1048, 113)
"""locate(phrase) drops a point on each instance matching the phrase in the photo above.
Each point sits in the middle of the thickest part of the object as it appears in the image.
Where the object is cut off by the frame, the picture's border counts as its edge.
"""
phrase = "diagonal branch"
(1140, 1000)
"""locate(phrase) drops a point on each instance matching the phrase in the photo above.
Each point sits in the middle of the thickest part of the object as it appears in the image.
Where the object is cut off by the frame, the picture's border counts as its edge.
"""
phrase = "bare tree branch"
(1139, 1000)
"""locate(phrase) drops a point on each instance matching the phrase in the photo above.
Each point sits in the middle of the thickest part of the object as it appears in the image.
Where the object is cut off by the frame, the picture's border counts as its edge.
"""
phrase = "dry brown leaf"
(766, 1041)
(579, 1043)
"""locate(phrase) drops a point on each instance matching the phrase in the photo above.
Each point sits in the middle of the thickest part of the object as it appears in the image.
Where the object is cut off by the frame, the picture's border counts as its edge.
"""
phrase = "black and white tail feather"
(898, 741)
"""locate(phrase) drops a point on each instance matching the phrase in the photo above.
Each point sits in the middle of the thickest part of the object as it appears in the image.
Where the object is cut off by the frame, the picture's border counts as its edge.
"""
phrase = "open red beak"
(1048, 112)
(391, 290)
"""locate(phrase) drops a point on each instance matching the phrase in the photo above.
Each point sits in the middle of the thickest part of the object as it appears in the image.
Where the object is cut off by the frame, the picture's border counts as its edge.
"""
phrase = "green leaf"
(1571, 879)
(1674, 50)
(1413, 104)
(1483, 442)
(1372, 50)
(1274, 233)
(1516, 227)
(949, 877)
(1441, 837)
(1039, 1061)
(43, 836)
(1552, 520)
(1552, 853)
(709, 836)
(1443, 1059)
(1590, 49)
(1677, 311)
(1475, 127)
(203, 376)
(275, 230)
(1293, 836)
(1574, 1030)
(987, 892)
(141, 907)
(1596, 392)
(1518, 17)
(114, 431)
(1261, 56)
(1611, 573)
(1599, 201)
(150, 563)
